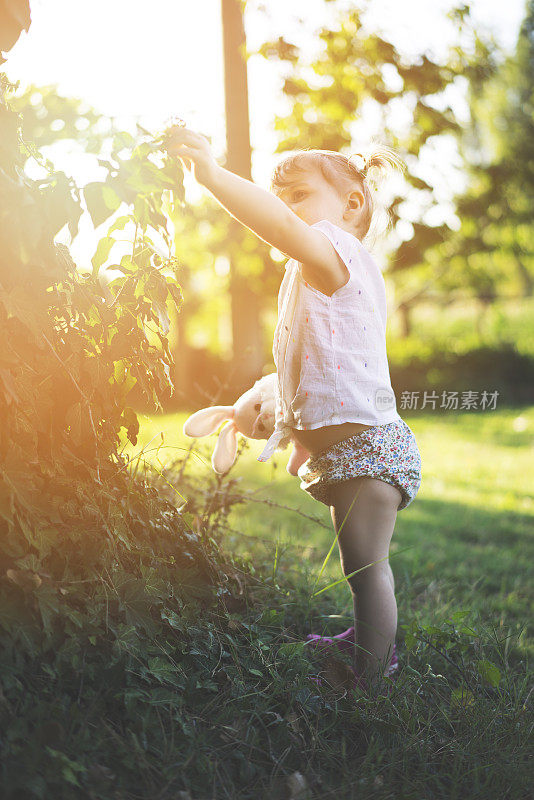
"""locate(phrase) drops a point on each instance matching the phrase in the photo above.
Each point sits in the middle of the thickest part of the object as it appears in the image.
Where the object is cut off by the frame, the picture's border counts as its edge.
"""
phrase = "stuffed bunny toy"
(253, 415)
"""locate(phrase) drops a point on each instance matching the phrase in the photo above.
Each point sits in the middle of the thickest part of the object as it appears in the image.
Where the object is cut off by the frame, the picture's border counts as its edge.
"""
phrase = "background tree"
(496, 240)
(247, 334)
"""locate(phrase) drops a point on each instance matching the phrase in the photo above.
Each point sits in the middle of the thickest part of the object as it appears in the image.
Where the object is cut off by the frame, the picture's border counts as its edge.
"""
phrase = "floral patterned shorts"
(387, 452)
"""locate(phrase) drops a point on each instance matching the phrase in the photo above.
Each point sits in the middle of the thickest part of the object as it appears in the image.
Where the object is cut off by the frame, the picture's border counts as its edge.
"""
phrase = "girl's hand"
(193, 147)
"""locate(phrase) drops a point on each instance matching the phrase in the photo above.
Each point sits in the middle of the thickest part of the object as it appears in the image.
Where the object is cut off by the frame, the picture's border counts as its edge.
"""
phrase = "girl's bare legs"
(391, 578)
(365, 537)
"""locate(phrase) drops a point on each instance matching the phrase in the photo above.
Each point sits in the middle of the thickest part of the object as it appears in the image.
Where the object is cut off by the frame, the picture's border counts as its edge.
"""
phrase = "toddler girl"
(334, 395)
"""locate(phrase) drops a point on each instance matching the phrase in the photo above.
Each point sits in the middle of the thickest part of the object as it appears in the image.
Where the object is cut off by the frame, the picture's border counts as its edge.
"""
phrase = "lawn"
(466, 540)
(459, 721)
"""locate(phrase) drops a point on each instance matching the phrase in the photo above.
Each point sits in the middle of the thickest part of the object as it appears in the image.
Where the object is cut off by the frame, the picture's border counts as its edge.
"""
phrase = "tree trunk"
(247, 344)
(406, 324)
(525, 277)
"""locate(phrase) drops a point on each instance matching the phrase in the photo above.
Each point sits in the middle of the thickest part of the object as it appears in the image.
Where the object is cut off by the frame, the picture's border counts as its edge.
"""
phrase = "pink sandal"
(345, 642)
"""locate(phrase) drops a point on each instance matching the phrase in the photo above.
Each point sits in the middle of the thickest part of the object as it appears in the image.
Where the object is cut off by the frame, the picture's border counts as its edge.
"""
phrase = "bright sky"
(148, 61)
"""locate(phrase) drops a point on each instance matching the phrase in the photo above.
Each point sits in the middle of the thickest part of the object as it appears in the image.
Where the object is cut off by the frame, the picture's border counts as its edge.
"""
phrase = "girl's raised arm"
(270, 219)
(262, 212)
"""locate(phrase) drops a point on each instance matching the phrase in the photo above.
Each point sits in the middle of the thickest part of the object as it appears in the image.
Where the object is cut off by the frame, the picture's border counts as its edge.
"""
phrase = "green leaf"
(163, 317)
(468, 631)
(290, 649)
(489, 672)
(163, 670)
(110, 197)
(119, 224)
(141, 211)
(96, 204)
(127, 386)
(140, 286)
(176, 294)
(119, 371)
(130, 422)
(459, 615)
(462, 697)
(103, 250)
(123, 140)
(127, 265)
(48, 603)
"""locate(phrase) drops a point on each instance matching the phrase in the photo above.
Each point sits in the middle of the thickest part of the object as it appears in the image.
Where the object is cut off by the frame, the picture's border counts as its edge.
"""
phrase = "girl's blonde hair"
(344, 174)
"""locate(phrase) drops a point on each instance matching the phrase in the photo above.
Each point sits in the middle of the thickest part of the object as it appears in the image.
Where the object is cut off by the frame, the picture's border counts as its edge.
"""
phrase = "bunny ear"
(207, 420)
(226, 449)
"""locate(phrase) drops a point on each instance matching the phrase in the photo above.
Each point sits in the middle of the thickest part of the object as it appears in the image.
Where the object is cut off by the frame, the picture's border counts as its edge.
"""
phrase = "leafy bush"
(81, 539)
(73, 349)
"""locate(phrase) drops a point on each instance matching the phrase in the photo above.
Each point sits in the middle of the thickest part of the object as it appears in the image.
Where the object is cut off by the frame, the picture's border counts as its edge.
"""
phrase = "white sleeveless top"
(330, 352)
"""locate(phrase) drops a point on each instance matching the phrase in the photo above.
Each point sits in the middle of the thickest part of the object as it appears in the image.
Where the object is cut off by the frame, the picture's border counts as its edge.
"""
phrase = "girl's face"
(312, 198)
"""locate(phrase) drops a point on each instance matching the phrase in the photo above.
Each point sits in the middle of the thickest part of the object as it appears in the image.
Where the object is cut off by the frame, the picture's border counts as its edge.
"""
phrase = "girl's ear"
(207, 420)
(355, 200)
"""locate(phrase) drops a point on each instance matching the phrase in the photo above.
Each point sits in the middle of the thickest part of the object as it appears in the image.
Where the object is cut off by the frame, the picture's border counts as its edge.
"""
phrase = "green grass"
(469, 528)
(461, 550)
(159, 680)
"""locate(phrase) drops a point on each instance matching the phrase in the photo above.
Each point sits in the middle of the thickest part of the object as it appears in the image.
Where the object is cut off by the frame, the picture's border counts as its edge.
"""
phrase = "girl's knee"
(366, 573)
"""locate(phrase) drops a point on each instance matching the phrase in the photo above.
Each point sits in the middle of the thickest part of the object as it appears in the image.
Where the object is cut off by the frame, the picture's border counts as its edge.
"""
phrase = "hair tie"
(362, 162)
